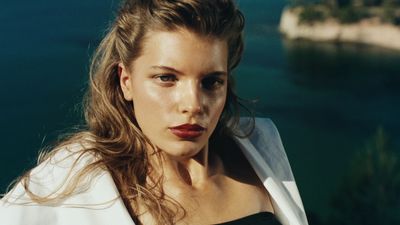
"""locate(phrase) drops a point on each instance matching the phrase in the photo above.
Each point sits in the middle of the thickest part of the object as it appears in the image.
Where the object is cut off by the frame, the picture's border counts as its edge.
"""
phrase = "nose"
(191, 99)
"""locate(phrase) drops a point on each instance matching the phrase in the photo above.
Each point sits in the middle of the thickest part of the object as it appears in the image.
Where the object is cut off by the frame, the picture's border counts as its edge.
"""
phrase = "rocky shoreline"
(369, 31)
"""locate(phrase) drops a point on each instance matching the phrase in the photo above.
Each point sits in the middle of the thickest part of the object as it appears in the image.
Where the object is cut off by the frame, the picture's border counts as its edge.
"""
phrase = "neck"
(192, 171)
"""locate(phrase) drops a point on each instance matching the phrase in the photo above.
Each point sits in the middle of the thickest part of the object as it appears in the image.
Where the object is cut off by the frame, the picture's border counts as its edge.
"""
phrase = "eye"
(212, 82)
(166, 79)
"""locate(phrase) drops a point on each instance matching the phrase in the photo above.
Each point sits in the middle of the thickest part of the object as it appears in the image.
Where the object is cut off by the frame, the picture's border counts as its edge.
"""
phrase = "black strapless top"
(262, 218)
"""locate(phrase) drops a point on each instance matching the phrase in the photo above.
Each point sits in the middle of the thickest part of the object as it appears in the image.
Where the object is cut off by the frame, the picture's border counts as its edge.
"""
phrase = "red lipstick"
(188, 131)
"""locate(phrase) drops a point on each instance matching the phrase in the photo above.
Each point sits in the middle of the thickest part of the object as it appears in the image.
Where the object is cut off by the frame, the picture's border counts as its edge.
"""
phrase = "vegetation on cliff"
(348, 11)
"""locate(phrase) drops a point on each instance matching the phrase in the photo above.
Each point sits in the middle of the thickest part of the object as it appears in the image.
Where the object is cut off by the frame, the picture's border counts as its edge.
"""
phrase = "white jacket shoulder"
(94, 200)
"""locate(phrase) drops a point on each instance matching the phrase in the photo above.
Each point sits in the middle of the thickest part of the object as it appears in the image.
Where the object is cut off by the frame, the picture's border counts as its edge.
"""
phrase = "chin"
(183, 150)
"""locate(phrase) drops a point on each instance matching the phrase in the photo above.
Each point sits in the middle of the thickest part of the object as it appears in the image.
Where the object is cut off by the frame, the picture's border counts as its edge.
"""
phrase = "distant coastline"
(371, 31)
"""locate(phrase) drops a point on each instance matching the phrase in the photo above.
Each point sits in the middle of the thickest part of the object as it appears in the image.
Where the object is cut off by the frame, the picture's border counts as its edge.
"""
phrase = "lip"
(188, 131)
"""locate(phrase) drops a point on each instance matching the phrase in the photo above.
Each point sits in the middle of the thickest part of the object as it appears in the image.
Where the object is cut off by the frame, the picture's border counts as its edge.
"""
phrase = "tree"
(343, 3)
(370, 192)
(373, 2)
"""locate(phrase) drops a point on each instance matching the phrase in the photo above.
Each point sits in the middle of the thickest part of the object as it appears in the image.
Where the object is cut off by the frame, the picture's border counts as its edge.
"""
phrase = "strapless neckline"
(261, 218)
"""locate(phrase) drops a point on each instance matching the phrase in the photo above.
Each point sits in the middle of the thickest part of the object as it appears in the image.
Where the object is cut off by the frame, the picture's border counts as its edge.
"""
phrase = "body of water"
(326, 99)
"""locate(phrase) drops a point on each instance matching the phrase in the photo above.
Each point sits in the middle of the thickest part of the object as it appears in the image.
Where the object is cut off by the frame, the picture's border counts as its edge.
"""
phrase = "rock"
(368, 31)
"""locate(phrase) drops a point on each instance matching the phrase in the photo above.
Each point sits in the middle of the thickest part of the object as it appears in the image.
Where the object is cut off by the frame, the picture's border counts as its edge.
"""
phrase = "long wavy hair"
(112, 133)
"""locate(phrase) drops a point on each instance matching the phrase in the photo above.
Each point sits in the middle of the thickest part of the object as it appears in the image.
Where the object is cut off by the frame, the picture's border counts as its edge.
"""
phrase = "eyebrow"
(167, 68)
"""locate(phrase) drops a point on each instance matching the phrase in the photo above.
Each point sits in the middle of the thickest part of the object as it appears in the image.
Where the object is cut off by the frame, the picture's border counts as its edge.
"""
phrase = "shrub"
(343, 3)
(311, 14)
(391, 13)
(350, 14)
(372, 2)
(369, 193)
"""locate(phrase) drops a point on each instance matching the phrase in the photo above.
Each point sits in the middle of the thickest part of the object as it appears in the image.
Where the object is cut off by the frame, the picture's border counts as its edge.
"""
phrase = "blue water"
(326, 99)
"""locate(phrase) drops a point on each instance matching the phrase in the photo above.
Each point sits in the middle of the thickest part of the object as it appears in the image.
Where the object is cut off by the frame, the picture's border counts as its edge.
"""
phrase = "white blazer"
(96, 201)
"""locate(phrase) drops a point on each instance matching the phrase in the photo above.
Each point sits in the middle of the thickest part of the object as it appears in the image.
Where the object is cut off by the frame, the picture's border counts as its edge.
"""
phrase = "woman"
(162, 144)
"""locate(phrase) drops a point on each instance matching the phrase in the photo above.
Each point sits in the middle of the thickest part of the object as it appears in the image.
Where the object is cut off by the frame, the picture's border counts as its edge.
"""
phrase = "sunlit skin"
(181, 78)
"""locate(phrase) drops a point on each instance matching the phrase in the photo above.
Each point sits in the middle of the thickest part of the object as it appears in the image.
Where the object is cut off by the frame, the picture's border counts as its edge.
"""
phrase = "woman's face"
(178, 87)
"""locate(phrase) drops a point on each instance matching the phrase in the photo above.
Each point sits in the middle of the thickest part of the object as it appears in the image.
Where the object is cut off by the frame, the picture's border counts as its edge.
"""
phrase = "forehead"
(184, 50)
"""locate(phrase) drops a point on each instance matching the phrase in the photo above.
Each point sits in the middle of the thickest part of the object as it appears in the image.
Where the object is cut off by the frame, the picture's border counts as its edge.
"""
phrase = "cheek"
(150, 104)
(218, 106)
(220, 103)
